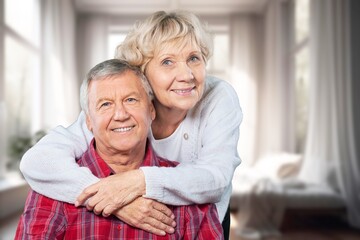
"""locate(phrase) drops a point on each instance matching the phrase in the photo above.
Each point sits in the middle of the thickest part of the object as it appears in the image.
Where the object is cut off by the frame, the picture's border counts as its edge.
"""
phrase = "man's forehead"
(123, 83)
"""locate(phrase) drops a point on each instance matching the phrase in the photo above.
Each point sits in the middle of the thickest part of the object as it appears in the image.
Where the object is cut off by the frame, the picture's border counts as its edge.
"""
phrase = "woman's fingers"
(163, 209)
(87, 194)
(113, 192)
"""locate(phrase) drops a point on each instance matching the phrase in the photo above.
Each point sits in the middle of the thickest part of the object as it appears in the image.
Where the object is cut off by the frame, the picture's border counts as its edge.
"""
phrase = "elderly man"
(117, 101)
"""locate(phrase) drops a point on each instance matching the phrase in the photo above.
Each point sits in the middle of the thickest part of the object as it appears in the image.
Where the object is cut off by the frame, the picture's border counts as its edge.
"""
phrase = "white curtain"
(60, 104)
(258, 73)
(245, 71)
(330, 155)
(275, 91)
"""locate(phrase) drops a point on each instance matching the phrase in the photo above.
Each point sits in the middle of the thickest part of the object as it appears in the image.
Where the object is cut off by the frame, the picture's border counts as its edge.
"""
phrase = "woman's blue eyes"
(191, 59)
(166, 62)
(194, 58)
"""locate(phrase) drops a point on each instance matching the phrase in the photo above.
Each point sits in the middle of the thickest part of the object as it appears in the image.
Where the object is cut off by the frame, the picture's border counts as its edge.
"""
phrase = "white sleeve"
(50, 167)
(206, 180)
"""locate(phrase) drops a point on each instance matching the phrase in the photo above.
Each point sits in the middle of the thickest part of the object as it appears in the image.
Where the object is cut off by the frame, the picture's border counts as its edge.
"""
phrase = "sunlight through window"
(301, 63)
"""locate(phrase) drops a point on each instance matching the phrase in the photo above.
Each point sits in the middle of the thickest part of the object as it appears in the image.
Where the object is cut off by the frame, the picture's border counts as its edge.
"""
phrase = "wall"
(13, 192)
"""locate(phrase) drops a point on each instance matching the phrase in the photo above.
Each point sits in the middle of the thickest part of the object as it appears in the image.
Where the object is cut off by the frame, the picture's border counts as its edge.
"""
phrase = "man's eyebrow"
(102, 100)
(134, 93)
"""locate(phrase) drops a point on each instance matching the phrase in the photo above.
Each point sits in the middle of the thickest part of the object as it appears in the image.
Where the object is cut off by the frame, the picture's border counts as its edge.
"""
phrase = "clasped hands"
(121, 195)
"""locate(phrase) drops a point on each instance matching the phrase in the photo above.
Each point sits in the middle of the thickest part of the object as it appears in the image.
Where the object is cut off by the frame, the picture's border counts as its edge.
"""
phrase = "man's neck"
(124, 161)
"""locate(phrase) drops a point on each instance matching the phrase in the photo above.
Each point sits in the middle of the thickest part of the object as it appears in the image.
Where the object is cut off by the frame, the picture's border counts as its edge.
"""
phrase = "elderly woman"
(197, 124)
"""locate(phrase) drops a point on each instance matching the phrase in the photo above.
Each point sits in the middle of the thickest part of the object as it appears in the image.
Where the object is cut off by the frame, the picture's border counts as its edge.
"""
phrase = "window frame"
(7, 32)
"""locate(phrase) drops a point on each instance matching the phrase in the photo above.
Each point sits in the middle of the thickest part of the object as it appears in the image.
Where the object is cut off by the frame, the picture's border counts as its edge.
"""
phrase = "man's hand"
(148, 215)
(113, 192)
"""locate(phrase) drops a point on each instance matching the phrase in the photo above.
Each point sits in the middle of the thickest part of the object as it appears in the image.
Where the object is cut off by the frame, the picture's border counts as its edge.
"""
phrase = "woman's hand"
(148, 215)
(113, 192)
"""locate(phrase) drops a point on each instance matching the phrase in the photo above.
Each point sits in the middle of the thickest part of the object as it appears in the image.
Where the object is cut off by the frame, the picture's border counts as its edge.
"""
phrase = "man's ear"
(88, 122)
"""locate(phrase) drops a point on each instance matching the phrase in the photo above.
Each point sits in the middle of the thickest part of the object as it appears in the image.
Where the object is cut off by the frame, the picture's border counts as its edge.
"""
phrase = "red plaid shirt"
(45, 218)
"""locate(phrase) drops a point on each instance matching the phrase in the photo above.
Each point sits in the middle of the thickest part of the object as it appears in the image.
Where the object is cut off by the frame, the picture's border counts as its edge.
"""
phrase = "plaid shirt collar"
(101, 169)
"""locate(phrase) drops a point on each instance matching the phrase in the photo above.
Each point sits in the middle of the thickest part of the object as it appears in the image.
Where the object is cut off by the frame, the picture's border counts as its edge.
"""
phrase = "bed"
(264, 193)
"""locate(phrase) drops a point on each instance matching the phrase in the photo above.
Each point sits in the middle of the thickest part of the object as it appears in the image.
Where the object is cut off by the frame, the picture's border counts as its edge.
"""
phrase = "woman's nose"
(184, 72)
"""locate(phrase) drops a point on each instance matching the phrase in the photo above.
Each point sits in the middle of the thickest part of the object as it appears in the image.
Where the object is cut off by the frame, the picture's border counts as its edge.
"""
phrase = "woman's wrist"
(140, 182)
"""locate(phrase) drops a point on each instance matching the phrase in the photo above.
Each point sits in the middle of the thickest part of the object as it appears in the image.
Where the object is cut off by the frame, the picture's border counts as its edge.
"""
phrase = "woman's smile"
(184, 91)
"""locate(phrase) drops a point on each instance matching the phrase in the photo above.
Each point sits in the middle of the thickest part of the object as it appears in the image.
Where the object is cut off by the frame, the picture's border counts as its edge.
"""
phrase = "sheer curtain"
(60, 87)
(330, 156)
(275, 91)
(245, 72)
(258, 46)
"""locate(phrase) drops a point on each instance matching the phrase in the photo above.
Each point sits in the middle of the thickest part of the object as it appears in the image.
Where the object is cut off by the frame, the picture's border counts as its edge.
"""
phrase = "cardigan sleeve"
(50, 167)
(207, 177)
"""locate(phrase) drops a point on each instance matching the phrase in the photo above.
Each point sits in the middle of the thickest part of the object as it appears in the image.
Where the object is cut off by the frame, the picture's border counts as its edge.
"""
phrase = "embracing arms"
(50, 165)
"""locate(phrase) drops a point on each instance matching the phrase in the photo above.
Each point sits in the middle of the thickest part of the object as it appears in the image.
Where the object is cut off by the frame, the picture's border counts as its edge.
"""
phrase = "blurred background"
(293, 63)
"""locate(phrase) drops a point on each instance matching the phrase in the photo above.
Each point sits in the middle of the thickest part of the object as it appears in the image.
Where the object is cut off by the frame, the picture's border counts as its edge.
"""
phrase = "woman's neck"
(166, 121)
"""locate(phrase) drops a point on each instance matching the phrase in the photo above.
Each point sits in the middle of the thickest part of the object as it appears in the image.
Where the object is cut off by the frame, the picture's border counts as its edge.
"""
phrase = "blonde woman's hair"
(161, 29)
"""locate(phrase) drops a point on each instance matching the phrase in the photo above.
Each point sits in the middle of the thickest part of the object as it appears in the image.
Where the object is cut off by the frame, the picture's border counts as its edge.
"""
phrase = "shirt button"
(119, 227)
(186, 136)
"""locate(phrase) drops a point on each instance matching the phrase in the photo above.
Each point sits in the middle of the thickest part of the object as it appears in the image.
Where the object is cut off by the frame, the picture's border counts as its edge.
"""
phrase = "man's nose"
(121, 112)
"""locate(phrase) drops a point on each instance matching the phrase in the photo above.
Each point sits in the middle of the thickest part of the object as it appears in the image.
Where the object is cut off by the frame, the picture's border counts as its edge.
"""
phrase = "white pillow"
(279, 166)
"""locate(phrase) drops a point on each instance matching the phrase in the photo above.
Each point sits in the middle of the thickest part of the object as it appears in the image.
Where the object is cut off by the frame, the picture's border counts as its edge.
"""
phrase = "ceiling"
(136, 7)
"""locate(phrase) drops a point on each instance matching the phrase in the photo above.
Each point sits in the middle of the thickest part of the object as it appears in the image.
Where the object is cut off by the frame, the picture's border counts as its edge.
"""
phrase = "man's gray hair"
(107, 69)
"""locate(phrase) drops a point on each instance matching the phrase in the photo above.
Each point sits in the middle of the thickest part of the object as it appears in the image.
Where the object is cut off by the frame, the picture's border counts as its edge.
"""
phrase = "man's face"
(120, 113)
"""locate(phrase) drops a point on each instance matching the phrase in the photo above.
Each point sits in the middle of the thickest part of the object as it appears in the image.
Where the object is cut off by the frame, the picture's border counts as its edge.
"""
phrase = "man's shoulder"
(166, 163)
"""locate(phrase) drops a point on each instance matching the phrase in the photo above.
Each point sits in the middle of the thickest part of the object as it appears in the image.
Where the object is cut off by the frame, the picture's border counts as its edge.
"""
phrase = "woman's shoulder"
(217, 88)
(219, 98)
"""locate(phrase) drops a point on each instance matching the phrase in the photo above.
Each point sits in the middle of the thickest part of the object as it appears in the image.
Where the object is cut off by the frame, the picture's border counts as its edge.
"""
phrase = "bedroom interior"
(293, 63)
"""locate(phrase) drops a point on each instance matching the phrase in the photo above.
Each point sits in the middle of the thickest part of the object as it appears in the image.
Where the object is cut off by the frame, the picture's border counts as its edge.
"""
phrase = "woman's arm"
(50, 167)
(206, 179)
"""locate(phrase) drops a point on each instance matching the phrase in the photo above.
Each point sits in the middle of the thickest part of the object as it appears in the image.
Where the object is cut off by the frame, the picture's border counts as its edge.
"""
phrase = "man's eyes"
(105, 104)
(131, 100)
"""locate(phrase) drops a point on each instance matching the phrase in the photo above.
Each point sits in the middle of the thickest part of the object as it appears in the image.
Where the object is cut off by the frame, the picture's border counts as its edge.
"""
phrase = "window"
(219, 62)
(301, 69)
(21, 76)
(114, 39)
